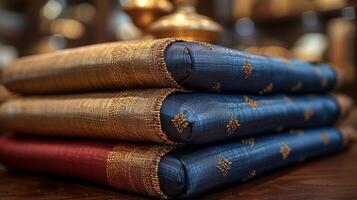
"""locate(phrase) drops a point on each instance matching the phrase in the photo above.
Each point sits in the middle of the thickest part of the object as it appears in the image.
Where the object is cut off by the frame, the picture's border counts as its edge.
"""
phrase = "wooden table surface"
(333, 177)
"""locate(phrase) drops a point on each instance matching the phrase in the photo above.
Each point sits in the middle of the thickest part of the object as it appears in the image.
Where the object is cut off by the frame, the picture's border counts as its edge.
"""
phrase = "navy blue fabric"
(208, 114)
(200, 67)
(201, 162)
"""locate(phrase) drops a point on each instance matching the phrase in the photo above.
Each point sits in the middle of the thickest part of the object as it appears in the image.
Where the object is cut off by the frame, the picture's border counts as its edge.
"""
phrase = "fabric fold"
(164, 171)
(164, 63)
(166, 115)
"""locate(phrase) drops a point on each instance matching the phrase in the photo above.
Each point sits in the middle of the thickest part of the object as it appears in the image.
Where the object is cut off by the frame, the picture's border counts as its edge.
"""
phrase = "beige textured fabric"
(119, 65)
(141, 164)
(131, 115)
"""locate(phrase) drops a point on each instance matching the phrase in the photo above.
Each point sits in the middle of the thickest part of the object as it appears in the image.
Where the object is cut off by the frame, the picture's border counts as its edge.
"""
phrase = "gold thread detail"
(131, 115)
(297, 87)
(151, 105)
(248, 141)
(247, 68)
(160, 58)
(284, 151)
(216, 88)
(120, 65)
(267, 89)
(250, 102)
(233, 125)
(134, 168)
(325, 138)
(224, 165)
(180, 122)
(308, 114)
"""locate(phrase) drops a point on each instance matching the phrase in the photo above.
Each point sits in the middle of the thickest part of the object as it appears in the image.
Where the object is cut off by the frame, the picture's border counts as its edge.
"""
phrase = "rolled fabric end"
(345, 104)
(349, 135)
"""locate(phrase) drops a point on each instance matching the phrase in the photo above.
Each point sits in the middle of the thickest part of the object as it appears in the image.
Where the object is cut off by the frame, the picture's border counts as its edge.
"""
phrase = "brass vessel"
(145, 12)
(186, 23)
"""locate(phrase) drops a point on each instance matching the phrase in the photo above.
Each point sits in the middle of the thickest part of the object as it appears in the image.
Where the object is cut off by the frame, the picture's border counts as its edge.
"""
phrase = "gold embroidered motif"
(284, 151)
(298, 132)
(325, 138)
(180, 122)
(216, 87)
(249, 141)
(296, 87)
(224, 165)
(252, 174)
(250, 102)
(233, 125)
(267, 89)
(288, 99)
(308, 114)
(324, 83)
(248, 69)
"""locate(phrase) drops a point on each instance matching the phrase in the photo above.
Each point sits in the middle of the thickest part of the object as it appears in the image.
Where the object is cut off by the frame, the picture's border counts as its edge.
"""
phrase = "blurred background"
(311, 30)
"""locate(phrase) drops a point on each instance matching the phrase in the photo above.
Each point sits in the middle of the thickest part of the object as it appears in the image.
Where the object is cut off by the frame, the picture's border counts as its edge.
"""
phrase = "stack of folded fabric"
(175, 118)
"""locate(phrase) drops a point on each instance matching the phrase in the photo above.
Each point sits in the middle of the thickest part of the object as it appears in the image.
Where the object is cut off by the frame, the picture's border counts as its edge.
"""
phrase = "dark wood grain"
(333, 177)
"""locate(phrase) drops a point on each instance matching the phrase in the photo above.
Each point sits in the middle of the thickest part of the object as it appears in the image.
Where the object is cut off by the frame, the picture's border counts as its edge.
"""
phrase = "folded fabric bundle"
(167, 171)
(166, 116)
(164, 63)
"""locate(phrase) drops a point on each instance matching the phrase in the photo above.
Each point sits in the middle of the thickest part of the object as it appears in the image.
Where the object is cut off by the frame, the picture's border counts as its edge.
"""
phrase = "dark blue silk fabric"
(193, 170)
(208, 114)
(202, 67)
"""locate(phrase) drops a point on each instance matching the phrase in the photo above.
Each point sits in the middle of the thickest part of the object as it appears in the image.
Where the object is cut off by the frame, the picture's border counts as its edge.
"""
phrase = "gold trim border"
(135, 168)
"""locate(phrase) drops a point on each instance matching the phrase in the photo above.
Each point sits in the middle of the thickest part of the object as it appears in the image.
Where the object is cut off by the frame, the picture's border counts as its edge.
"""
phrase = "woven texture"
(196, 118)
(206, 67)
(164, 63)
(151, 116)
(156, 171)
(128, 115)
(133, 64)
(209, 167)
(127, 167)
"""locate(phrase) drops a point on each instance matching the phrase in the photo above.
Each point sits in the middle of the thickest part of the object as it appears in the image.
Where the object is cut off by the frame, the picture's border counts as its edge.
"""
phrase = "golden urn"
(145, 12)
(186, 23)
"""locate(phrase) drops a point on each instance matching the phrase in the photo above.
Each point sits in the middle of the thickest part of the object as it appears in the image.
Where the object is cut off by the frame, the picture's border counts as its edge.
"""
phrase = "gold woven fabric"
(120, 65)
(132, 115)
(135, 168)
